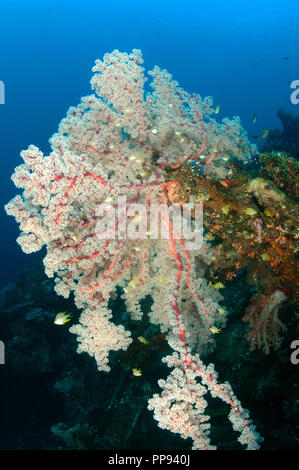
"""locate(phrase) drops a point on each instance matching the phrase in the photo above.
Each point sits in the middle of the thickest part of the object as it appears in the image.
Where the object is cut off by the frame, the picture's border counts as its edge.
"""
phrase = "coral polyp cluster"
(250, 218)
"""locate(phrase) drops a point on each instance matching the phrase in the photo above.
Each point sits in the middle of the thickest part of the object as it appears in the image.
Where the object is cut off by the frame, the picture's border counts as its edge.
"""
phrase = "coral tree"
(123, 142)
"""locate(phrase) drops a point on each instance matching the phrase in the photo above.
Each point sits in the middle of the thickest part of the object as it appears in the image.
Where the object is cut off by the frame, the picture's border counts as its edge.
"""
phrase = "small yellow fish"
(268, 212)
(265, 133)
(215, 330)
(254, 119)
(142, 340)
(74, 235)
(265, 257)
(222, 311)
(134, 282)
(225, 210)
(217, 286)
(62, 318)
(217, 109)
(137, 372)
(250, 211)
(209, 236)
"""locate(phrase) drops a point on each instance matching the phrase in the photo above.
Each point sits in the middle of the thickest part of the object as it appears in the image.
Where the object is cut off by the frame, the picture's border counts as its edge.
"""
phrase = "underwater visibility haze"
(150, 267)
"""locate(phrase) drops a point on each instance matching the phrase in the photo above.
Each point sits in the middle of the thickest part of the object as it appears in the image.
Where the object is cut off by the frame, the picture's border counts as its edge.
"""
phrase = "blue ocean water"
(244, 54)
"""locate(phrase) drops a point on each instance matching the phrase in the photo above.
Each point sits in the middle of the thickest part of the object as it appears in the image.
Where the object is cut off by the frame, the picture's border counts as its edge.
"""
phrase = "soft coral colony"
(117, 142)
